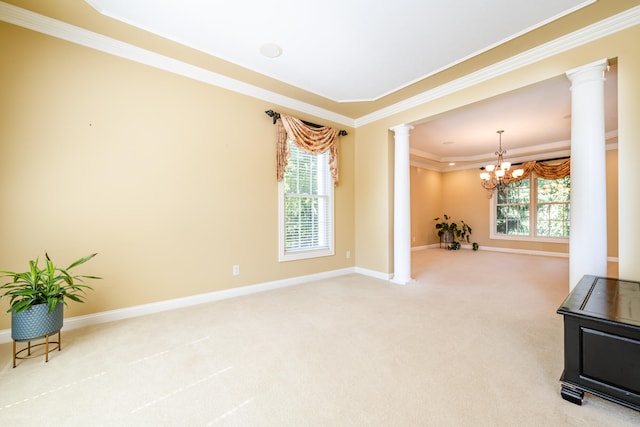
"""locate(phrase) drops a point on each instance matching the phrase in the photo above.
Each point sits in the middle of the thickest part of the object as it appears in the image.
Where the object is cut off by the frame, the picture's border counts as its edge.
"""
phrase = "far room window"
(513, 209)
(306, 206)
(536, 209)
(552, 215)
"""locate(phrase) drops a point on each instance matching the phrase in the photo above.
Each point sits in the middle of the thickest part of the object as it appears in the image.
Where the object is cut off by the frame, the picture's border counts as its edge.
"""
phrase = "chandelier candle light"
(499, 175)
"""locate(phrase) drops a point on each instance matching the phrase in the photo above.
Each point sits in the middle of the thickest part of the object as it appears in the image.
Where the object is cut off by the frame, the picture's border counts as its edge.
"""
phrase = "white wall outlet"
(348, 255)
(236, 270)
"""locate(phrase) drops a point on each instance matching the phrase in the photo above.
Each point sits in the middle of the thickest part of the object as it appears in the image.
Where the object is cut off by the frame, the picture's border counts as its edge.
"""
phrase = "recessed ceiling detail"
(536, 117)
(338, 51)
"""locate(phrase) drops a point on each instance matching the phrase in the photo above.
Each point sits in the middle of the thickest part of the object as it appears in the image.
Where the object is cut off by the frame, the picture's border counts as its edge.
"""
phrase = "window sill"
(294, 256)
(530, 238)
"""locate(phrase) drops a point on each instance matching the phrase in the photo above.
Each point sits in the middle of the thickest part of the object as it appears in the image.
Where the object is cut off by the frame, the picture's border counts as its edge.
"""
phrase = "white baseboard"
(373, 273)
(172, 304)
(524, 251)
(513, 251)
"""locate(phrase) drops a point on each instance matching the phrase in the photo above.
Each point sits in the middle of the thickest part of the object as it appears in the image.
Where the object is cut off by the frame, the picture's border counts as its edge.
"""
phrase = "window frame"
(325, 172)
(533, 213)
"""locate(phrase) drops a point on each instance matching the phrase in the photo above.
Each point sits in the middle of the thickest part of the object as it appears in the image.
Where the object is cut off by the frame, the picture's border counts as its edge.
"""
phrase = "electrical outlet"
(236, 270)
(348, 255)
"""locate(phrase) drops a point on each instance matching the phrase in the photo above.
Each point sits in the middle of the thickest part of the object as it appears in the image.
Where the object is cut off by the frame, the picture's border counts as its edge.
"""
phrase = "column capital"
(401, 129)
(588, 72)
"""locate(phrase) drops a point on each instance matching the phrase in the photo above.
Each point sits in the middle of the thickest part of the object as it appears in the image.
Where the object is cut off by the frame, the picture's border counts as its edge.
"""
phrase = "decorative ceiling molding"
(552, 150)
(515, 154)
(52, 27)
(606, 27)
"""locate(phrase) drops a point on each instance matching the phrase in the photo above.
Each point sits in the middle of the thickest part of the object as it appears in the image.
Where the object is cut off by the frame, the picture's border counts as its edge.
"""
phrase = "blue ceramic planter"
(36, 322)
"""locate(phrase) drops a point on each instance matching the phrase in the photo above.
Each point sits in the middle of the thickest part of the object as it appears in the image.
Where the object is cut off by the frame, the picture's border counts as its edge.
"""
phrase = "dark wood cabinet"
(602, 341)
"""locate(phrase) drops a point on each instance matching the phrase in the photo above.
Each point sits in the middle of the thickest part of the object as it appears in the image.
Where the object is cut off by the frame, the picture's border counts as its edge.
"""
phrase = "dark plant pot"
(36, 322)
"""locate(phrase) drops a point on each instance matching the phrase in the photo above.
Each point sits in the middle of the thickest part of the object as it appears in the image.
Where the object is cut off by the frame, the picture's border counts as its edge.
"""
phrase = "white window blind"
(306, 206)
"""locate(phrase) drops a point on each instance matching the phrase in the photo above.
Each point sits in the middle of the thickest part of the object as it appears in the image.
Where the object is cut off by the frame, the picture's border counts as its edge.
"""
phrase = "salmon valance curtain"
(312, 140)
(546, 171)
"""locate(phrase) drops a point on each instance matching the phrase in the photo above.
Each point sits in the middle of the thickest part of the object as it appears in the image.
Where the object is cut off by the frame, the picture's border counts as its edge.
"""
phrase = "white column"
(401, 207)
(588, 237)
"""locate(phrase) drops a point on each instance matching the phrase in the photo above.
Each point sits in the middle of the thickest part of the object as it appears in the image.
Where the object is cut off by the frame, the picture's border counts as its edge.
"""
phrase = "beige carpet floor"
(474, 341)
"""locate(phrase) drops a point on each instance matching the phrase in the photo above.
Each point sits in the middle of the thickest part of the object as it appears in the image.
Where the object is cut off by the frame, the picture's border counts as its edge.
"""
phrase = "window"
(533, 209)
(553, 207)
(306, 206)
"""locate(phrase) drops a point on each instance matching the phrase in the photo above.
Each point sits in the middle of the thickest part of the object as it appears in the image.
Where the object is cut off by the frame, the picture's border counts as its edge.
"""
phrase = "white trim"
(419, 248)
(509, 250)
(519, 251)
(43, 24)
(537, 253)
(404, 281)
(420, 159)
(525, 252)
(585, 35)
(372, 273)
(473, 54)
(52, 27)
(172, 304)
(177, 303)
(526, 238)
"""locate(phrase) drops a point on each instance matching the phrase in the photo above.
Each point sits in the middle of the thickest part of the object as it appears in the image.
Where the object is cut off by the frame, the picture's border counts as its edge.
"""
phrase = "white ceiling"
(360, 50)
(343, 50)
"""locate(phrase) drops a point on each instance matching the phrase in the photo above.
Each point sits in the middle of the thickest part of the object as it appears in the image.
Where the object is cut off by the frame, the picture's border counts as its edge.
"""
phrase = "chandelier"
(499, 175)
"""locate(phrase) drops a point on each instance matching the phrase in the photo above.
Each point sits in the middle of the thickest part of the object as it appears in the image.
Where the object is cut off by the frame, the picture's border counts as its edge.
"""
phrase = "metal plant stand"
(48, 345)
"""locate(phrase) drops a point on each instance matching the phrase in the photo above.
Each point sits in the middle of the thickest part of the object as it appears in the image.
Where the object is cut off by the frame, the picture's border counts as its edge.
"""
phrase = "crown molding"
(471, 55)
(55, 28)
(606, 27)
(425, 163)
(558, 149)
(52, 27)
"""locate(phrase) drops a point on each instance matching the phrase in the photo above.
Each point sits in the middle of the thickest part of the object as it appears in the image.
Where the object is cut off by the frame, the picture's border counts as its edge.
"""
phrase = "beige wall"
(622, 46)
(629, 158)
(612, 203)
(426, 204)
(373, 216)
(170, 180)
(459, 195)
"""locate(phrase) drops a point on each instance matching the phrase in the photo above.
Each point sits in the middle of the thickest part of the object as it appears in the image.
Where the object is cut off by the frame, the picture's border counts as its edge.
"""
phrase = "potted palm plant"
(37, 297)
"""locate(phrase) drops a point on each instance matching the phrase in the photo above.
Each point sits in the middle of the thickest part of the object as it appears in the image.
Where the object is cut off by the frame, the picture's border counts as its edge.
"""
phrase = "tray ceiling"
(345, 51)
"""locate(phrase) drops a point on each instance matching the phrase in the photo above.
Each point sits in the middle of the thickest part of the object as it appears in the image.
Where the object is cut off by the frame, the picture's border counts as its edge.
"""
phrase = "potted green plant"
(37, 297)
(451, 233)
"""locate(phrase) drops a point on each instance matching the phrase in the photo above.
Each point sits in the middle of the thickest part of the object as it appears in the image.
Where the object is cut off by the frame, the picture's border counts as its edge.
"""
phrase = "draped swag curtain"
(310, 139)
(546, 171)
